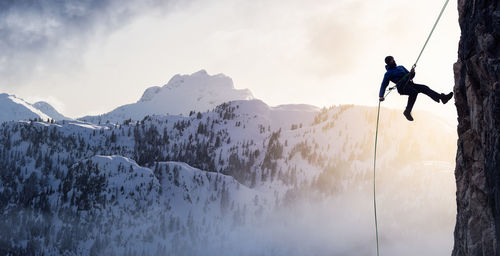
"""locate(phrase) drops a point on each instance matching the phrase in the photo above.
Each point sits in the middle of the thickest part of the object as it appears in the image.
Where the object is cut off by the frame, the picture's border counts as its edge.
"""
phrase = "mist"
(416, 218)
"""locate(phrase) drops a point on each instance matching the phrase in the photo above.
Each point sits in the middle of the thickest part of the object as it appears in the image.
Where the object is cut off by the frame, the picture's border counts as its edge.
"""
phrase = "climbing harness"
(378, 116)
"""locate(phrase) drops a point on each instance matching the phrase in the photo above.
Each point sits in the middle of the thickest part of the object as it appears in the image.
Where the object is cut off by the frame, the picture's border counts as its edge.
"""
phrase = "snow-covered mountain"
(229, 181)
(47, 109)
(181, 95)
(14, 108)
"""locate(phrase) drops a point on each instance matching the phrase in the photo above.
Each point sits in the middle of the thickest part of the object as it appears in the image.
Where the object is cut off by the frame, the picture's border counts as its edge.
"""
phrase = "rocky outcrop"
(477, 98)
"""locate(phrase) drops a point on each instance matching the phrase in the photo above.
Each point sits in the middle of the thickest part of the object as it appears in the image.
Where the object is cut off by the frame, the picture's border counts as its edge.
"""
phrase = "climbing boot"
(446, 97)
(408, 115)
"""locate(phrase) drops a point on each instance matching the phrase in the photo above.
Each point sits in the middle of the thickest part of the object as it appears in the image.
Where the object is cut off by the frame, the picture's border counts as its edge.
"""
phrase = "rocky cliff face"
(477, 97)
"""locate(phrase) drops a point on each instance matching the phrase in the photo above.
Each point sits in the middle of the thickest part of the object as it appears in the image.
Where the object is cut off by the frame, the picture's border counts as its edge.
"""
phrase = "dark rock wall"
(477, 98)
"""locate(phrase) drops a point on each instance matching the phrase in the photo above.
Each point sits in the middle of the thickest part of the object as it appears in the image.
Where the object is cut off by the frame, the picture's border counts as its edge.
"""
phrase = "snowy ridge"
(47, 109)
(183, 93)
(14, 108)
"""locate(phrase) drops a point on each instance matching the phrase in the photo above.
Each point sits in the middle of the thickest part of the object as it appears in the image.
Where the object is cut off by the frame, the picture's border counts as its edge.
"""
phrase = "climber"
(404, 83)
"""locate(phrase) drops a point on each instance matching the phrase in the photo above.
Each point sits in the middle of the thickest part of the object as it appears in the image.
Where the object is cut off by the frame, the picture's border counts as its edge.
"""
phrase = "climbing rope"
(374, 164)
(378, 116)
(432, 31)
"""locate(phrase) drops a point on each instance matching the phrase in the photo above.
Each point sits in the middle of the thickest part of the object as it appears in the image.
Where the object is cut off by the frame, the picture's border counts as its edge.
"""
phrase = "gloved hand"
(381, 98)
(412, 73)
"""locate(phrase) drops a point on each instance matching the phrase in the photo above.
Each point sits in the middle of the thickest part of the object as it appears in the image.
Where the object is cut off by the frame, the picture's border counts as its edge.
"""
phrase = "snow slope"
(13, 108)
(47, 109)
(182, 94)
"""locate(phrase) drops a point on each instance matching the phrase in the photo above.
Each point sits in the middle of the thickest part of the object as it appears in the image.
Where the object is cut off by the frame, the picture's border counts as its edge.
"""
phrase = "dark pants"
(412, 90)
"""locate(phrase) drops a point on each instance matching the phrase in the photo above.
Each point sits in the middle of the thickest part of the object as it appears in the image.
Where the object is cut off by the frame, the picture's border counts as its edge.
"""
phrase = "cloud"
(35, 34)
(344, 33)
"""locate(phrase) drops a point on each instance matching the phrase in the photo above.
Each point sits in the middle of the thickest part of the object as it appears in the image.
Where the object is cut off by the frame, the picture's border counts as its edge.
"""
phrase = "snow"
(47, 109)
(183, 93)
(14, 108)
(217, 212)
(86, 125)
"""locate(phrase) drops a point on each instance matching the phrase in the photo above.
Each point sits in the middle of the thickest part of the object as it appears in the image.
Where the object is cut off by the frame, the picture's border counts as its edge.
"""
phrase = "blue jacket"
(393, 74)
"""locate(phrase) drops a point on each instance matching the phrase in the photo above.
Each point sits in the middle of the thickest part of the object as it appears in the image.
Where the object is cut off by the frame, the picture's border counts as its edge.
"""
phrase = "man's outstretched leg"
(432, 94)
(412, 90)
(427, 91)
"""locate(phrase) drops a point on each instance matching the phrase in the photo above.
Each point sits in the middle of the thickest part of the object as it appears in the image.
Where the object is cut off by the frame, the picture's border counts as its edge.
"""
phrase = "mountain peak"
(50, 111)
(182, 94)
(14, 108)
(202, 72)
(198, 83)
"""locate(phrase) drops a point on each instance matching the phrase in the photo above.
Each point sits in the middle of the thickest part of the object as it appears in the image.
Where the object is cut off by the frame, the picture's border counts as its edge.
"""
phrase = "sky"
(91, 56)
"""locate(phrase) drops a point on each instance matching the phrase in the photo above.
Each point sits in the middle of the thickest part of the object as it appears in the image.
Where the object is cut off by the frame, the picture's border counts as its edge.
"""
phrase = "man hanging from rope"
(404, 83)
